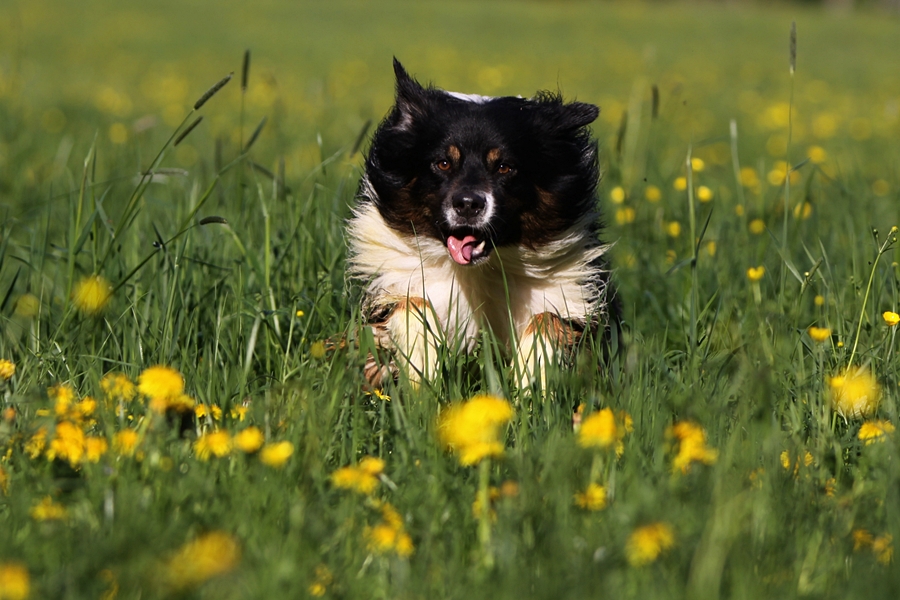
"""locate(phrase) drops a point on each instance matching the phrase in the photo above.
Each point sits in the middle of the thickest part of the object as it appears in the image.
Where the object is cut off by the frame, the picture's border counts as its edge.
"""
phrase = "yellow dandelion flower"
(697, 164)
(819, 334)
(739, 210)
(625, 216)
(472, 429)
(855, 393)
(381, 395)
(372, 465)
(871, 432)
(391, 516)
(7, 369)
(180, 404)
(779, 173)
(94, 448)
(757, 226)
(861, 539)
(68, 443)
(117, 386)
(617, 195)
(756, 478)
(646, 543)
(891, 318)
(787, 462)
(35, 445)
(673, 229)
(85, 408)
(816, 154)
(239, 412)
(47, 510)
(592, 498)
(404, 545)
(276, 454)
(215, 443)
(160, 382)
(211, 554)
(599, 430)
(652, 193)
(299, 314)
(883, 548)
(125, 442)
(27, 306)
(62, 395)
(819, 300)
(362, 478)
(324, 578)
(803, 210)
(385, 539)
(704, 194)
(382, 538)
(201, 410)
(249, 440)
(92, 294)
(15, 584)
(317, 350)
(691, 446)
(880, 187)
(680, 183)
(749, 177)
(754, 274)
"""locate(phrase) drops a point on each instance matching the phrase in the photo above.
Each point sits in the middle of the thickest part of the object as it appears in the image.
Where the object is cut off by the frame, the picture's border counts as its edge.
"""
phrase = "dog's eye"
(504, 168)
(443, 165)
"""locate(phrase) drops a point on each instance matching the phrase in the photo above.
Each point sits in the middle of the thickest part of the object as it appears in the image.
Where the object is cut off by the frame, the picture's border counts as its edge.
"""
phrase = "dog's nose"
(468, 204)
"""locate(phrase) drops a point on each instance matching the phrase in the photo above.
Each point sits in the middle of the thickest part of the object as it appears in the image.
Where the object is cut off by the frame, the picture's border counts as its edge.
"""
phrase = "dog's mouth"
(467, 249)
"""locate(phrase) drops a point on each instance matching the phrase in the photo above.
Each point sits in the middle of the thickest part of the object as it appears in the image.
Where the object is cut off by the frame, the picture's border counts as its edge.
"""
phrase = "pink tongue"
(461, 249)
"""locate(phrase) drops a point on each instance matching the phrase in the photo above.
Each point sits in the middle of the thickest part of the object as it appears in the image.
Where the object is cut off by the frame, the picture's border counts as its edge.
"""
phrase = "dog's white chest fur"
(503, 293)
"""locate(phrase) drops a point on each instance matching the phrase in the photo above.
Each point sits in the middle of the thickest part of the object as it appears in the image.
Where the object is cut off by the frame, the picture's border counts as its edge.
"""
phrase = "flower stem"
(862, 313)
(484, 515)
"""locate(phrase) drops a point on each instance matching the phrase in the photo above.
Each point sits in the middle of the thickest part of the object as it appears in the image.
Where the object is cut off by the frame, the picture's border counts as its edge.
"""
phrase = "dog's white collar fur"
(504, 292)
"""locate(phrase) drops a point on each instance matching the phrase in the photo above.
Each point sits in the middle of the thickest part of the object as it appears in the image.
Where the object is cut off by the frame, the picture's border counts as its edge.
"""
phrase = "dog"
(476, 213)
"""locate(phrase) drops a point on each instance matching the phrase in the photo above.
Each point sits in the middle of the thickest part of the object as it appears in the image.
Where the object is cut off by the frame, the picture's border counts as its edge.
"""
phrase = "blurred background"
(321, 70)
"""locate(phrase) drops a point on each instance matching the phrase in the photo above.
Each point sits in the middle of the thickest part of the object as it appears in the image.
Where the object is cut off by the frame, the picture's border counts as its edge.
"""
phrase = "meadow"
(176, 420)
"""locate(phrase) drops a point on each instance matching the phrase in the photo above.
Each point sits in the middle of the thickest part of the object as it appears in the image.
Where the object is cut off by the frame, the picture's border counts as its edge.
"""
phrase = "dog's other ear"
(410, 102)
(576, 115)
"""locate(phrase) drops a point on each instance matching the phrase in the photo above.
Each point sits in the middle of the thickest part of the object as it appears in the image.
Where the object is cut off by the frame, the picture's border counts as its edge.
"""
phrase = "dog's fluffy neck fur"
(559, 277)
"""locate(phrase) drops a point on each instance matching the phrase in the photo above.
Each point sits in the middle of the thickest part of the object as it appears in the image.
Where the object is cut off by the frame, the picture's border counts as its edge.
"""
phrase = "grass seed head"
(212, 91)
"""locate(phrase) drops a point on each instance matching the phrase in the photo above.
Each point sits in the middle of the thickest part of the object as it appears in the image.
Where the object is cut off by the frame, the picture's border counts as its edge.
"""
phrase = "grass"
(229, 267)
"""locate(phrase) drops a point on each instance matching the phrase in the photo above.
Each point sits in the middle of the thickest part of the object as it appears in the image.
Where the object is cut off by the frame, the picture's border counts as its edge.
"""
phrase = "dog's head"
(477, 173)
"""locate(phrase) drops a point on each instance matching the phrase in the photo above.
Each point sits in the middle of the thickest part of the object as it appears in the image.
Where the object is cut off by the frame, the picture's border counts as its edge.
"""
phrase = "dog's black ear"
(579, 114)
(410, 102)
(559, 116)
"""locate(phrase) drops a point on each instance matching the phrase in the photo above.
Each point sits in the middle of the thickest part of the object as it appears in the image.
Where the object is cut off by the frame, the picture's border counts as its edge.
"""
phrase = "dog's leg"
(414, 334)
(544, 341)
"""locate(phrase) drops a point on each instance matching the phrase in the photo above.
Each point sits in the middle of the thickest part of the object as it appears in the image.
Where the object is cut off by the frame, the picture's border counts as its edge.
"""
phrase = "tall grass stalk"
(786, 255)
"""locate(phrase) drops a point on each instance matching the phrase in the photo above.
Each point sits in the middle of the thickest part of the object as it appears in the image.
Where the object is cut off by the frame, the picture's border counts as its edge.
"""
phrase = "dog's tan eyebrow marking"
(493, 156)
(454, 154)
